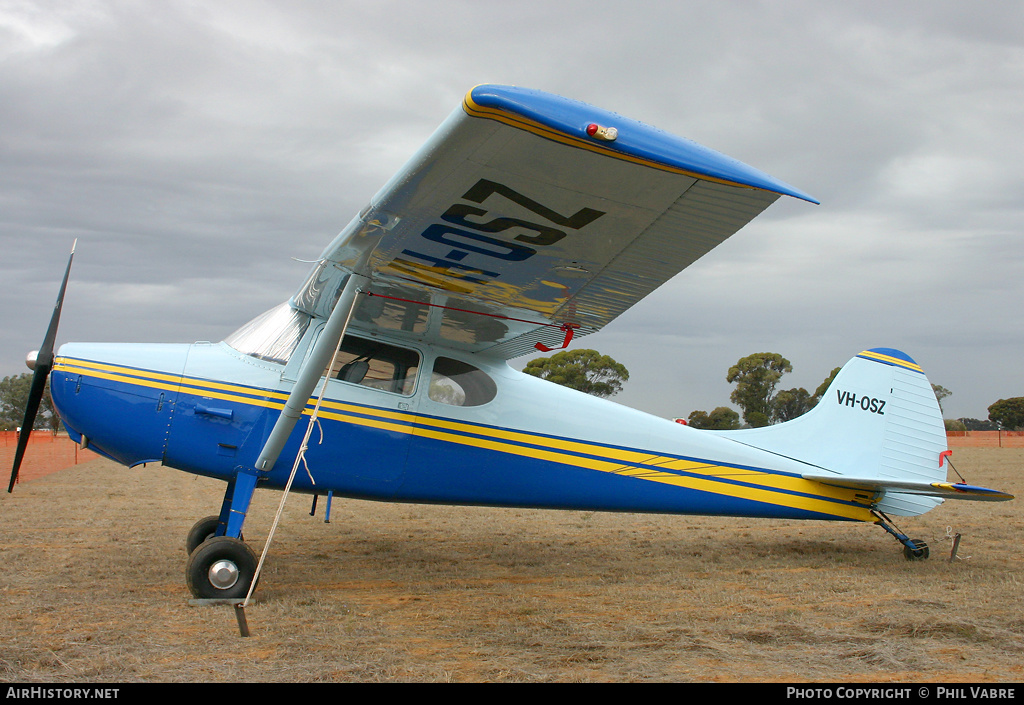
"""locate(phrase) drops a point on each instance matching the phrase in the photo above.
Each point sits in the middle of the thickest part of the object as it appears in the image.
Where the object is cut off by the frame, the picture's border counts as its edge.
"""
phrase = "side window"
(460, 384)
(376, 365)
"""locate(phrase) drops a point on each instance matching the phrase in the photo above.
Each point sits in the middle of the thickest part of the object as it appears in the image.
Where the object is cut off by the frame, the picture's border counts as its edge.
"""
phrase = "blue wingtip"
(635, 138)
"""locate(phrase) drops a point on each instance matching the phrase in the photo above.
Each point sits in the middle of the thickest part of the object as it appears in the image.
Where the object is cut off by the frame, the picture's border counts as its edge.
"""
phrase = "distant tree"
(978, 425)
(721, 419)
(1008, 413)
(14, 398)
(756, 377)
(823, 387)
(585, 370)
(791, 403)
(940, 394)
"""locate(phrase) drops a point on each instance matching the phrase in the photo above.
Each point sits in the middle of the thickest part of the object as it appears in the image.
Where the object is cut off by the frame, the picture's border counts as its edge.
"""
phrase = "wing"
(526, 212)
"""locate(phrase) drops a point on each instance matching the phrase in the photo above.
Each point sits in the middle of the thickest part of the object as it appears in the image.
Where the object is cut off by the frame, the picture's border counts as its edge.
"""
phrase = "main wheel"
(201, 531)
(916, 550)
(221, 567)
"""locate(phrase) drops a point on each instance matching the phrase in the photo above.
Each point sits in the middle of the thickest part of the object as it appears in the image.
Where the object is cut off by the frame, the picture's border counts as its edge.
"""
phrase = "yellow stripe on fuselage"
(171, 383)
(630, 459)
(759, 486)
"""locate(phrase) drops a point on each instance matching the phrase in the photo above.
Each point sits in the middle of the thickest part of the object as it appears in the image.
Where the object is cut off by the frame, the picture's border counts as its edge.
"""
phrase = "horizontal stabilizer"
(943, 490)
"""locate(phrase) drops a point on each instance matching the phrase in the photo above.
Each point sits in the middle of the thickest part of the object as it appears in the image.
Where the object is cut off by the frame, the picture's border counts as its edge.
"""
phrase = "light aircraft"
(527, 220)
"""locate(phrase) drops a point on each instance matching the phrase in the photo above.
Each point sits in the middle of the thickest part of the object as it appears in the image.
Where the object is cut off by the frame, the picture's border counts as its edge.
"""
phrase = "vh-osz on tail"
(525, 221)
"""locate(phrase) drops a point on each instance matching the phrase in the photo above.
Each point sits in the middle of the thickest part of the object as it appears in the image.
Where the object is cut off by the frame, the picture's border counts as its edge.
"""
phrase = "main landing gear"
(221, 567)
(913, 549)
(220, 564)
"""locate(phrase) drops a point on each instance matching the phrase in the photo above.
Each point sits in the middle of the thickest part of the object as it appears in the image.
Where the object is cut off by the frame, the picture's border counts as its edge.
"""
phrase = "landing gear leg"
(237, 497)
(220, 564)
(913, 549)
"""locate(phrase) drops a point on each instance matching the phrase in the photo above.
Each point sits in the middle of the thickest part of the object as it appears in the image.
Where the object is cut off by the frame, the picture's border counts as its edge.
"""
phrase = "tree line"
(757, 376)
(14, 398)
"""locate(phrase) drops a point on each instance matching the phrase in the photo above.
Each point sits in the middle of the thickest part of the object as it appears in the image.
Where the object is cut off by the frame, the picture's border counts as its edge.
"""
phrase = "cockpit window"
(460, 384)
(377, 365)
(272, 335)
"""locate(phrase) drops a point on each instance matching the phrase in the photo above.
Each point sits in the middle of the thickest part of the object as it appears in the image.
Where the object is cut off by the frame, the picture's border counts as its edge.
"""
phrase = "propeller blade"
(46, 351)
(35, 395)
(44, 363)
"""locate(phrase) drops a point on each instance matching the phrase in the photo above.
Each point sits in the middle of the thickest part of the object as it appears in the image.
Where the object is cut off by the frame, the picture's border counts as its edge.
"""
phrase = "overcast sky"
(196, 148)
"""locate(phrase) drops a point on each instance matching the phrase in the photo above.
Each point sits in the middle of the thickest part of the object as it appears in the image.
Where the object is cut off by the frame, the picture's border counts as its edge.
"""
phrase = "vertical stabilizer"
(878, 420)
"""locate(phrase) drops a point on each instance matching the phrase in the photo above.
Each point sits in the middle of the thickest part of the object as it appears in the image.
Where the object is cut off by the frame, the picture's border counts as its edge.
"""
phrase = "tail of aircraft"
(879, 428)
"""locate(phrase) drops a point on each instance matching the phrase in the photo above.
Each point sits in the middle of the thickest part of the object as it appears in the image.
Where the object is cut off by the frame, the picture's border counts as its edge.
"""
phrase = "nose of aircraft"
(118, 399)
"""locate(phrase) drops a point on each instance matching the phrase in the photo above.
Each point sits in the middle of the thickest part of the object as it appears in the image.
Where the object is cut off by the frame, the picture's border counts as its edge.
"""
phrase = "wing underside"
(513, 224)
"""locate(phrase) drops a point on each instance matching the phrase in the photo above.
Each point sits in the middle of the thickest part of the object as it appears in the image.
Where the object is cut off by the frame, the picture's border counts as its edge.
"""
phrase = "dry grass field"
(92, 584)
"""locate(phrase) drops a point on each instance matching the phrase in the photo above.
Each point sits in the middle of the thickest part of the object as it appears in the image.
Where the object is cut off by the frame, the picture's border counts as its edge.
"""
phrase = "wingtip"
(975, 492)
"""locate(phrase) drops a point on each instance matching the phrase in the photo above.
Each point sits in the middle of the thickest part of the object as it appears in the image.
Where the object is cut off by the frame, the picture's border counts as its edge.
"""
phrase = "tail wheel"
(221, 568)
(915, 550)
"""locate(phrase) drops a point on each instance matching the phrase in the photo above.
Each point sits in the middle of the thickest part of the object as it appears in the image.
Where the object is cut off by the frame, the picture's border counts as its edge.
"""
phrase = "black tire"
(916, 550)
(220, 568)
(201, 531)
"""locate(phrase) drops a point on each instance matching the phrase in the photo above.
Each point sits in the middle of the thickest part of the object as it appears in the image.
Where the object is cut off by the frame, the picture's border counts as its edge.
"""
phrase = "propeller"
(41, 370)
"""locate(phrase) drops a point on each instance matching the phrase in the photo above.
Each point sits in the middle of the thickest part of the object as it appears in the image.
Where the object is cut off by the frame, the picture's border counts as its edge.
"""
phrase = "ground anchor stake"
(243, 625)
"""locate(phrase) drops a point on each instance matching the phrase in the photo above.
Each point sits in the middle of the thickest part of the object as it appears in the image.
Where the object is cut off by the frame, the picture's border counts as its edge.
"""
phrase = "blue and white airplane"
(526, 221)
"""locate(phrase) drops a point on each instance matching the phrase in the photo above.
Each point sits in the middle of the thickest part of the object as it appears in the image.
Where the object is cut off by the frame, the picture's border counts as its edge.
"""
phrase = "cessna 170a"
(526, 220)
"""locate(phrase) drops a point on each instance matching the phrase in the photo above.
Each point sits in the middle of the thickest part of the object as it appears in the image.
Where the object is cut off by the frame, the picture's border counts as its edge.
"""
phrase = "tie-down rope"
(299, 458)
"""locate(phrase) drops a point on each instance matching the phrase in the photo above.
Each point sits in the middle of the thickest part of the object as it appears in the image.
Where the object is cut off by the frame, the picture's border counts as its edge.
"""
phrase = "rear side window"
(460, 384)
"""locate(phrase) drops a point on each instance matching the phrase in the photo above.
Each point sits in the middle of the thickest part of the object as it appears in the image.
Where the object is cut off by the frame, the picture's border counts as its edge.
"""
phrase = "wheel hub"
(223, 574)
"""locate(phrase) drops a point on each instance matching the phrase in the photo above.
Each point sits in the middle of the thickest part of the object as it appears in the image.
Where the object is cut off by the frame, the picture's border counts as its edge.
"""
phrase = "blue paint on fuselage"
(152, 403)
(119, 419)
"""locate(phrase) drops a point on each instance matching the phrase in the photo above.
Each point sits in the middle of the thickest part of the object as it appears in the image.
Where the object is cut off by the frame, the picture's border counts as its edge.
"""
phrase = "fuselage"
(449, 427)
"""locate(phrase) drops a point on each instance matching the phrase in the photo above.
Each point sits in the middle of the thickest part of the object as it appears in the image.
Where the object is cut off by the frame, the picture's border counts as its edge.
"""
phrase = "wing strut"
(311, 372)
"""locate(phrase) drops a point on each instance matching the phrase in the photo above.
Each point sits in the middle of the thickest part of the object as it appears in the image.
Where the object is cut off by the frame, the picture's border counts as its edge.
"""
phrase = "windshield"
(271, 336)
